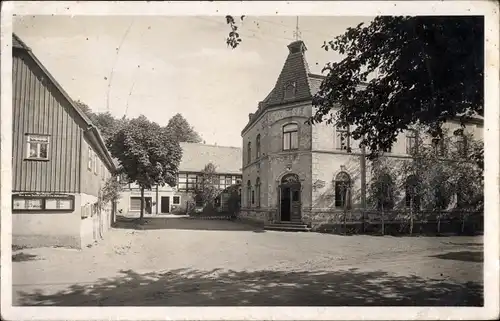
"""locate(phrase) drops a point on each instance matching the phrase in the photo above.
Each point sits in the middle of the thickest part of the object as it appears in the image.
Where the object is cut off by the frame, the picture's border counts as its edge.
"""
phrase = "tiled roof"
(294, 71)
(227, 160)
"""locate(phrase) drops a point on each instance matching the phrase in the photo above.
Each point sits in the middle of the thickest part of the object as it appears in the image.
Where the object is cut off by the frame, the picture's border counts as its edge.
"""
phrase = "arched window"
(412, 197)
(289, 91)
(249, 193)
(257, 190)
(342, 190)
(249, 153)
(290, 137)
(384, 190)
(257, 146)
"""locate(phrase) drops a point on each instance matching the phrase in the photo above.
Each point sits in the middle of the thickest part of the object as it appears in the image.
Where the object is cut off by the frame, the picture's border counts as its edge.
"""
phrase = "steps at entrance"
(287, 227)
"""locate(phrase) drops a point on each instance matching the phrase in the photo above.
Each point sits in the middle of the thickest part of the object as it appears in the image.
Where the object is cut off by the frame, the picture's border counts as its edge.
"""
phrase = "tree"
(181, 130)
(382, 188)
(444, 169)
(107, 124)
(147, 154)
(207, 189)
(430, 71)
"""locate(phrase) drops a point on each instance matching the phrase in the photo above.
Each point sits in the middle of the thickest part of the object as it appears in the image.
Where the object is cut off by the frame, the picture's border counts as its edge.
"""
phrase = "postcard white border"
(314, 8)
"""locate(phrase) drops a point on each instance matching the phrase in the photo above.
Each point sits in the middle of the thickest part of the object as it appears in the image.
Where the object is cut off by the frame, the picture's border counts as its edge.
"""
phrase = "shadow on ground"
(24, 257)
(465, 256)
(187, 287)
(182, 223)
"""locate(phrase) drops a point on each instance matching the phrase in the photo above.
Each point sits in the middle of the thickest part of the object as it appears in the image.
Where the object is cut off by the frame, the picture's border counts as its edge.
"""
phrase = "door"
(165, 204)
(285, 204)
(290, 198)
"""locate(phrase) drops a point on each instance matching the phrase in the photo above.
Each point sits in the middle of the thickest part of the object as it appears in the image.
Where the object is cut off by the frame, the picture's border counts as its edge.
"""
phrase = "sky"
(168, 65)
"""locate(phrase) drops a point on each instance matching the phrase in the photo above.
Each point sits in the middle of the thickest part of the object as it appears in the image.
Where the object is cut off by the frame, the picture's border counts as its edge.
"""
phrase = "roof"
(91, 129)
(295, 71)
(227, 160)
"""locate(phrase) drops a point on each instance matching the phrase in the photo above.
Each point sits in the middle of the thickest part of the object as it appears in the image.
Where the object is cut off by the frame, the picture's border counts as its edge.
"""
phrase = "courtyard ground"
(195, 262)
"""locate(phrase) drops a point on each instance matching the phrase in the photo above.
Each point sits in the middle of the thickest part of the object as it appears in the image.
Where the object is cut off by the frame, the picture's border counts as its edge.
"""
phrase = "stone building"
(294, 172)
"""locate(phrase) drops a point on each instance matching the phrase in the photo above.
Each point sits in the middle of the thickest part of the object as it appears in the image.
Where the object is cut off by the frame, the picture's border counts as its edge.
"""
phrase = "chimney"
(297, 46)
(250, 116)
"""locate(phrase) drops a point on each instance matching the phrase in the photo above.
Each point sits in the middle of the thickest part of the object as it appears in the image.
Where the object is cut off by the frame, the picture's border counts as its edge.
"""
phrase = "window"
(249, 153)
(188, 182)
(411, 142)
(257, 190)
(342, 190)
(412, 197)
(90, 160)
(249, 193)
(226, 181)
(37, 147)
(176, 200)
(343, 139)
(135, 204)
(439, 146)
(257, 146)
(290, 137)
(289, 91)
(385, 199)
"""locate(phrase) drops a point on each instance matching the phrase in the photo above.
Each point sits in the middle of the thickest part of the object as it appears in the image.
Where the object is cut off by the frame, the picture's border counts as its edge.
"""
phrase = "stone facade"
(317, 161)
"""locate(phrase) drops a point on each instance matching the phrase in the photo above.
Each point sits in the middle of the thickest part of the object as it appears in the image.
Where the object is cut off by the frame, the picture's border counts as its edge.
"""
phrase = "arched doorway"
(290, 198)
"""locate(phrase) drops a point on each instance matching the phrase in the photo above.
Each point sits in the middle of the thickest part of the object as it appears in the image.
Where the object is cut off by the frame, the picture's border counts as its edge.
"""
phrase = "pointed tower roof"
(293, 82)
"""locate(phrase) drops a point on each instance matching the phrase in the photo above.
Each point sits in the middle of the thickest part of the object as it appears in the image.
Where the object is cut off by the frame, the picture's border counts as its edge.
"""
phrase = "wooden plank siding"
(39, 108)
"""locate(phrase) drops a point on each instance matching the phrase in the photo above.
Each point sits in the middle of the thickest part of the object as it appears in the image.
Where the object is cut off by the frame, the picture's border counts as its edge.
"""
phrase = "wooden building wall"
(39, 108)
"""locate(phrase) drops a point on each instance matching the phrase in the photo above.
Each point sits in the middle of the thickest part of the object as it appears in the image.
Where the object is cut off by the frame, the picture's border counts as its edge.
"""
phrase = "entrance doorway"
(165, 204)
(290, 205)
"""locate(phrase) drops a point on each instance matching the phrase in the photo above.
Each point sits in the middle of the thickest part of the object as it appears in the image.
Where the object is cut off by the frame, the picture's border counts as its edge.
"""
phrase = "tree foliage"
(110, 192)
(207, 191)
(430, 71)
(180, 130)
(447, 172)
(107, 124)
(147, 154)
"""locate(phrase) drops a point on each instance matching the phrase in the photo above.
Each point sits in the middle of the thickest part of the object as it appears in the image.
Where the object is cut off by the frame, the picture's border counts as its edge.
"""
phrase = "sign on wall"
(43, 202)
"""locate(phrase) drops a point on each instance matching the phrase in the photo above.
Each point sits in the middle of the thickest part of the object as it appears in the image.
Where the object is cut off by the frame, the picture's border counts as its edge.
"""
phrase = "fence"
(405, 223)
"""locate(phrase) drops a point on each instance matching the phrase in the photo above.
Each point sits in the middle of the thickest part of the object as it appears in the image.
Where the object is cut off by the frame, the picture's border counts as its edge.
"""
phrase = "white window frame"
(339, 141)
(173, 200)
(31, 140)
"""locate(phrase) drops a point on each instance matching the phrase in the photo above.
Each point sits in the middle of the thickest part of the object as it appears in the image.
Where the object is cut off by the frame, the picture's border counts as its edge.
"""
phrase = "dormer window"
(290, 90)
